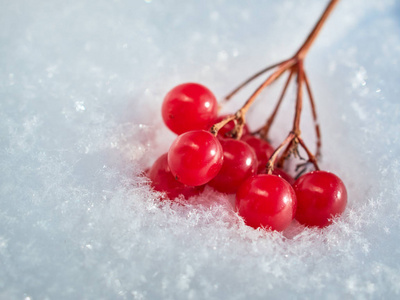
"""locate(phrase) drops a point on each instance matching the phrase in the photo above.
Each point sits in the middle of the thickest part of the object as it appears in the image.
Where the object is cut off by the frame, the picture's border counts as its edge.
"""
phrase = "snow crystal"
(81, 86)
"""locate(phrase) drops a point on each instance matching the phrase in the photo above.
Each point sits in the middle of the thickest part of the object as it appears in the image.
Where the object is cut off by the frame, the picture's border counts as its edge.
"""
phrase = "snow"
(81, 86)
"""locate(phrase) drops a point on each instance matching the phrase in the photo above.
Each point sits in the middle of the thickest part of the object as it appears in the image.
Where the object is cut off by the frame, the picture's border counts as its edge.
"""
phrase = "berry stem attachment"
(271, 161)
(216, 127)
(311, 157)
(292, 140)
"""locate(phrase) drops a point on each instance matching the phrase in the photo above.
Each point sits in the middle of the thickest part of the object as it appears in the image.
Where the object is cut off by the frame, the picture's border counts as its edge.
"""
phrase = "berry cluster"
(198, 157)
(220, 151)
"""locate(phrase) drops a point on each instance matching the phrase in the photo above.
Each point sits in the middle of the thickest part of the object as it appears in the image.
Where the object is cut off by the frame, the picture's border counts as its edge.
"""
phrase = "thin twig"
(299, 100)
(216, 127)
(271, 161)
(265, 129)
(282, 68)
(317, 28)
(315, 117)
(231, 94)
(311, 157)
(295, 65)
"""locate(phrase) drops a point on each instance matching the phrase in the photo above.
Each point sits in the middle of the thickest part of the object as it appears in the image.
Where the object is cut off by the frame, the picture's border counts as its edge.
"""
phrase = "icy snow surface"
(81, 85)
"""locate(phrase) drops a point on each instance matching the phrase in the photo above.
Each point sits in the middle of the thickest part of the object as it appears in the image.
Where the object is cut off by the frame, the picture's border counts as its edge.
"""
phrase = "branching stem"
(271, 161)
(265, 129)
(231, 94)
(294, 65)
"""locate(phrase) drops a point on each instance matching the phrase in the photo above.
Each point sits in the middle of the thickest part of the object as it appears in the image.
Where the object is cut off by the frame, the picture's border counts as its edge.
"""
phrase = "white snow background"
(81, 87)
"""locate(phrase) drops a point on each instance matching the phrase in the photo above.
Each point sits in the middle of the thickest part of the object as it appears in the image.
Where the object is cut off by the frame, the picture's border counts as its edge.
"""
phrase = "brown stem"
(299, 105)
(271, 161)
(265, 129)
(299, 100)
(240, 114)
(317, 28)
(216, 127)
(295, 65)
(315, 117)
(231, 94)
(301, 78)
(311, 157)
(300, 54)
(284, 155)
(239, 125)
(282, 68)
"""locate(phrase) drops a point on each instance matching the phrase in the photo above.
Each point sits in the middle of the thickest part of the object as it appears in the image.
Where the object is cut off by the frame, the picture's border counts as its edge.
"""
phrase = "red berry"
(189, 106)
(266, 200)
(262, 148)
(195, 157)
(321, 196)
(163, 181)
(240, 162)
(224, 131)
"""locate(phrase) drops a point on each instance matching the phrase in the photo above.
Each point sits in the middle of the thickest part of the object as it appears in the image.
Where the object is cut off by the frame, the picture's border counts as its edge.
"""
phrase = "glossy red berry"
(224, 131)
(262, 149)
(189, 106)
(162, 180)
(266, 200)
(195, 157)
(321, 196)
(240, 163)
